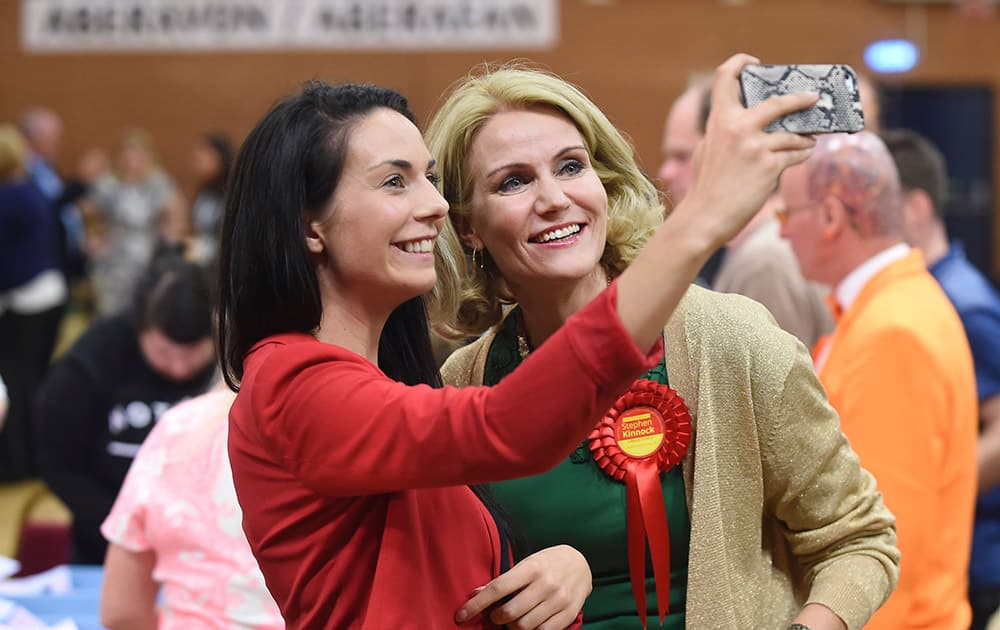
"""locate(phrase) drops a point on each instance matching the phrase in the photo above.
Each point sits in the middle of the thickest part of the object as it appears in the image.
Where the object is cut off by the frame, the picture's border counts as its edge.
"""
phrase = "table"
(81, 602)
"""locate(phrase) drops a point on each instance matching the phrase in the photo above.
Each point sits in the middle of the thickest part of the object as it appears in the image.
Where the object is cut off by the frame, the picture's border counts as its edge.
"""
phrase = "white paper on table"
(16, 617)
(65, 624)
(56, 581)
(8, 567)
(13, 615)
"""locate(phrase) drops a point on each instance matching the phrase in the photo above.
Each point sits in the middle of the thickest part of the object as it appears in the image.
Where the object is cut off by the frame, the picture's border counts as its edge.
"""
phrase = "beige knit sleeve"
(835, 521)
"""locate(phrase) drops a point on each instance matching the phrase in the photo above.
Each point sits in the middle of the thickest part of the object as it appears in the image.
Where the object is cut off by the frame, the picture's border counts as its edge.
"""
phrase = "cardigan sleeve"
(459, 369)
(836, 523)
(344, 429)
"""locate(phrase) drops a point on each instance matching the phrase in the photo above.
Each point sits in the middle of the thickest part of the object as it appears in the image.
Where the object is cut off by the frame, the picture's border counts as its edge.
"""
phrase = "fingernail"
(463, 617)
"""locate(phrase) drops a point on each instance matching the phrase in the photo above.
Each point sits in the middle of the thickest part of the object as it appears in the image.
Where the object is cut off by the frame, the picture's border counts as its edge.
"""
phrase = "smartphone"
(839, 106)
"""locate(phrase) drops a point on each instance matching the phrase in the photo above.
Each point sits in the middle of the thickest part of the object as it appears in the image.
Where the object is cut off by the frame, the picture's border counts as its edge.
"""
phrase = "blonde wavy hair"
(468, 299)
(13, 153)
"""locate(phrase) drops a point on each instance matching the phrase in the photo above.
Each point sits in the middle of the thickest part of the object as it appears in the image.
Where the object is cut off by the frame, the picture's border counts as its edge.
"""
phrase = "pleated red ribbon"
(647, 431)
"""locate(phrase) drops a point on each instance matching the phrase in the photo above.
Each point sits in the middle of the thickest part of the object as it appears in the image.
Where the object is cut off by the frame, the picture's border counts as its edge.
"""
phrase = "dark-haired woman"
(212, 160)
(350, 466)
(102, 398)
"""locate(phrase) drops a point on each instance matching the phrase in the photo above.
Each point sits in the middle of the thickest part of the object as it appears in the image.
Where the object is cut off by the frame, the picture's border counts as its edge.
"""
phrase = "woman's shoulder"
(280, 363)
(196, 413)
(731, 330)
(459, 369)
(108, 346)
(297, 347)
(23, 193)
(735, 317)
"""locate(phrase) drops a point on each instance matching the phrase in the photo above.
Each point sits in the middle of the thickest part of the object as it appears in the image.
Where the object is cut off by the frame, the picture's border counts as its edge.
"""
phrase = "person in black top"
(103, 397)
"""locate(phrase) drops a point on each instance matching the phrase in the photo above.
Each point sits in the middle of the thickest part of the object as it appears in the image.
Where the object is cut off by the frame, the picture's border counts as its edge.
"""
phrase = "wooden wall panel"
(632, 56)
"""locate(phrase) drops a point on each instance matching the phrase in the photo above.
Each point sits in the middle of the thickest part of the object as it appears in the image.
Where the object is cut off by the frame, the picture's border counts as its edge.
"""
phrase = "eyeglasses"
(784, 212)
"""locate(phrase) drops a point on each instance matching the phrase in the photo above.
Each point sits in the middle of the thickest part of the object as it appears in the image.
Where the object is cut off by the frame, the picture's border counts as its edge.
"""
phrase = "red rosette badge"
(647, 431)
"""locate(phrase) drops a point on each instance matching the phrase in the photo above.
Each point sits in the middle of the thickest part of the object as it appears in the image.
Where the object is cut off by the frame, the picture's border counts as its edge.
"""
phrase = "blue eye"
(512, 183)
(571, 167)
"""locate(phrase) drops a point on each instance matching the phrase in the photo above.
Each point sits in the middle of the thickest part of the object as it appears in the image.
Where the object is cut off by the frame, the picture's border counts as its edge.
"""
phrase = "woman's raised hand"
(737, 164)
(737, 167)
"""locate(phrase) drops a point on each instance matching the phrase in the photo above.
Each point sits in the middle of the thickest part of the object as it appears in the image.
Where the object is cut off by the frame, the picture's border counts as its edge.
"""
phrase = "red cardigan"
(353, 486)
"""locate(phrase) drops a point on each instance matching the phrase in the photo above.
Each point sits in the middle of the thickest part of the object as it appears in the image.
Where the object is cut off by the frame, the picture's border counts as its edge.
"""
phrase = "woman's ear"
(314, 238)
(467, 233)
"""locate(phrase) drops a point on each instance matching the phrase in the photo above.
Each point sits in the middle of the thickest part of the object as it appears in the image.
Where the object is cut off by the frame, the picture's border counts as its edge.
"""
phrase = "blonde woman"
(32, 299)
(752, 503)
(136, 209)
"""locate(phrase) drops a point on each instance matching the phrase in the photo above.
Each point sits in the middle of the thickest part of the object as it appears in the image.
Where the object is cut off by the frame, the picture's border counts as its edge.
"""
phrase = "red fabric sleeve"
(344, 429)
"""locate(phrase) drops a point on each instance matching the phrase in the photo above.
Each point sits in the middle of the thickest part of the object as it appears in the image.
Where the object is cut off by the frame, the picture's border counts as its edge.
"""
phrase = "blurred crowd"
(75, 245)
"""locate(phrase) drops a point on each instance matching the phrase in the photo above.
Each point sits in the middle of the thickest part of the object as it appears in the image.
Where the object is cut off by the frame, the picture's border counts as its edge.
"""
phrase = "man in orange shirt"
(897, 368)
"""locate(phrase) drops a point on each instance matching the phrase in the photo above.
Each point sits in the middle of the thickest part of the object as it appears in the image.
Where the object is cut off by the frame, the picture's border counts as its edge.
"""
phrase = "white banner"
(205, 25)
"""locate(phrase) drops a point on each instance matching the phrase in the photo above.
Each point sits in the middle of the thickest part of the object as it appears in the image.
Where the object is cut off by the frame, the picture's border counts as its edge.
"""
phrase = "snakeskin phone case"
(839, 106)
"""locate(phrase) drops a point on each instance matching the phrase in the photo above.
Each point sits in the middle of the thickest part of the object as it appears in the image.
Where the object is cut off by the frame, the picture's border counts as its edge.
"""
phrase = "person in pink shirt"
(176, 524)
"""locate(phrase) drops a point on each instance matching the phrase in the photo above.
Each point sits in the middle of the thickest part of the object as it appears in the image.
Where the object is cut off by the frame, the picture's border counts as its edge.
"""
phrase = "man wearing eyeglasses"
(897, 368)
(760, 265)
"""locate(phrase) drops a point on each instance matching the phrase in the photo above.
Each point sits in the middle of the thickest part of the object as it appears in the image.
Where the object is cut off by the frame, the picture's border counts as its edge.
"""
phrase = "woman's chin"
(414, 287)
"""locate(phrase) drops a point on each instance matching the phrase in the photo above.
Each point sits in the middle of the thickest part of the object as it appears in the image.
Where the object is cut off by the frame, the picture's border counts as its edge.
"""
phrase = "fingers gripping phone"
(839, 106)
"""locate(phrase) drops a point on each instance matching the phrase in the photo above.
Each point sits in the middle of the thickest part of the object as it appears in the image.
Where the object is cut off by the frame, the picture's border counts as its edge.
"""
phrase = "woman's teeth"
(562, 232)
(418, 247)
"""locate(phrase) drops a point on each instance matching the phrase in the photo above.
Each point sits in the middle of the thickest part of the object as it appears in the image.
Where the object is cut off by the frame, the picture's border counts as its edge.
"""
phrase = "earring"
(475, 263)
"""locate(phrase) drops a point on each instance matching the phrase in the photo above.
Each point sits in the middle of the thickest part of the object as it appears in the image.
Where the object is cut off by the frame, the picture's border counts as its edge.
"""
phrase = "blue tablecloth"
(81, 603)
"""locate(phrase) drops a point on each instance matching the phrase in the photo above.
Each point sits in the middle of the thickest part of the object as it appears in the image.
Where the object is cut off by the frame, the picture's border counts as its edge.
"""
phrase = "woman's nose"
(550, 195)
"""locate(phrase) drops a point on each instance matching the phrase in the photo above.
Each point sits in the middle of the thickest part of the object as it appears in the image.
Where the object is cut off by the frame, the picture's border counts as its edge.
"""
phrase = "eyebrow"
(522, 164)
(406, 165)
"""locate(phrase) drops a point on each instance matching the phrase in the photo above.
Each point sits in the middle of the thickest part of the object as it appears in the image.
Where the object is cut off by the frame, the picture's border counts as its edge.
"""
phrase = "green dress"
(577, 504)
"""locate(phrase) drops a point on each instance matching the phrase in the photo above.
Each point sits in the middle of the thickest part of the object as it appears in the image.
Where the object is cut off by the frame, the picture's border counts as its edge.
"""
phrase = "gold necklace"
(522, 343)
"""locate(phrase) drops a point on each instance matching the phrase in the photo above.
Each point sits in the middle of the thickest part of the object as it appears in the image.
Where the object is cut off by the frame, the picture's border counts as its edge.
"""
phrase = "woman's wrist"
(814, 616)
(686, 234)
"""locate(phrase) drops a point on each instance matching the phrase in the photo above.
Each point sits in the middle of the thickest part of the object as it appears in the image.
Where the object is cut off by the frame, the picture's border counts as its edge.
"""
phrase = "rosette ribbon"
(647, 431)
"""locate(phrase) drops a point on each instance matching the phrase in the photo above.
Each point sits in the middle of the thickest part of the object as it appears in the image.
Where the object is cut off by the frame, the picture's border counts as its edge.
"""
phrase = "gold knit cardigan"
(782, 513)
